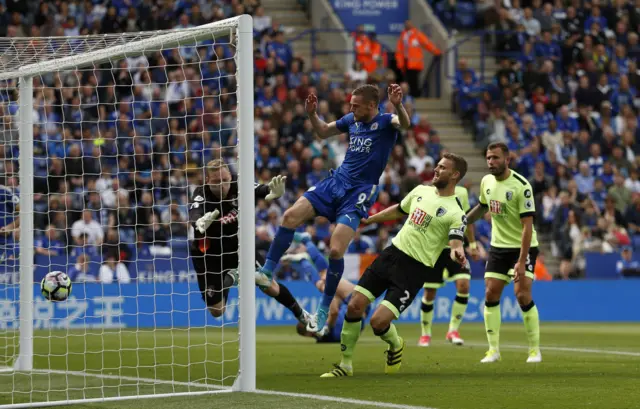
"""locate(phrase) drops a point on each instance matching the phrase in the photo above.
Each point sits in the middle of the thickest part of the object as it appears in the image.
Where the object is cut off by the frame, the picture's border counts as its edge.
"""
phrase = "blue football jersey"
(370, 145)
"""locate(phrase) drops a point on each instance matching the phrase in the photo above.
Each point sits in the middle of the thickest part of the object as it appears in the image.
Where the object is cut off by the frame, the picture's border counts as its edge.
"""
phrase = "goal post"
(154, 319)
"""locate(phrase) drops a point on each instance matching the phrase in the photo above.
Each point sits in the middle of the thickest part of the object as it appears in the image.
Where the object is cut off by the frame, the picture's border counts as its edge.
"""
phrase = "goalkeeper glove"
(276, 187)
(203, 223)
(324, 331)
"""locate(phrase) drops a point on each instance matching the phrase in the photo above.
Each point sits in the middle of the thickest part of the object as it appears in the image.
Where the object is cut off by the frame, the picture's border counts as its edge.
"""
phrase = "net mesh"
(119, 147)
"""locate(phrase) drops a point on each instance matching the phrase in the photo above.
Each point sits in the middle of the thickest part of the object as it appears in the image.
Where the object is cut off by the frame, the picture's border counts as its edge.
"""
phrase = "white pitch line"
(131, 379)
(566, 349)
(341, 400)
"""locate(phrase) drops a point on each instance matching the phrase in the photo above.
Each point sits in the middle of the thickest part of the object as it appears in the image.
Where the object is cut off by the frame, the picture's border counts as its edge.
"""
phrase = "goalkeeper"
(214, 250)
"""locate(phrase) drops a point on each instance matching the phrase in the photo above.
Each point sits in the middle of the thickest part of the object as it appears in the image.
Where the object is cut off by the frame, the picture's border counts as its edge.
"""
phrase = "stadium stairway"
(453, 136)
(471, 50)
(295, 21)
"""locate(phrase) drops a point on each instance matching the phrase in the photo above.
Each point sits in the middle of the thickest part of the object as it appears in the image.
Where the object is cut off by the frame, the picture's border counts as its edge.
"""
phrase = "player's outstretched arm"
(476, 213)
(390, 213)
(402, 119)
(321, 128)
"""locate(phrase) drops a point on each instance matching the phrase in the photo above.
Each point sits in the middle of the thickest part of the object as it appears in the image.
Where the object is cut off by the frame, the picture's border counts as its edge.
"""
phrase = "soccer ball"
(56, 286)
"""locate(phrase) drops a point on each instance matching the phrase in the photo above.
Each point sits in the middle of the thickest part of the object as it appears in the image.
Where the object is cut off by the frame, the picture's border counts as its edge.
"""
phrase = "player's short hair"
(368, 92)
(499, 145)
(459, 163)
(216, 164)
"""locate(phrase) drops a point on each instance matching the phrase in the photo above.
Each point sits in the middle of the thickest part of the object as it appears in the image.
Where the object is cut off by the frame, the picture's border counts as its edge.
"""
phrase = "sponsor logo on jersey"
(509, 195)
(420, 219)
(441, 212)
(495, 207)
(358, 144)
(419, 198)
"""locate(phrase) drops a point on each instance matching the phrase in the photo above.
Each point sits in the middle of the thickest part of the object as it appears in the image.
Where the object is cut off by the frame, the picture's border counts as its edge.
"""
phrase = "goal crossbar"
(164, 39)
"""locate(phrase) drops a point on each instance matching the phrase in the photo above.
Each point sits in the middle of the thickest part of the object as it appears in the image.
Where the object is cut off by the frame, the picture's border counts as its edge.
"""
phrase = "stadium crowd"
(565, 100)
(118, 149)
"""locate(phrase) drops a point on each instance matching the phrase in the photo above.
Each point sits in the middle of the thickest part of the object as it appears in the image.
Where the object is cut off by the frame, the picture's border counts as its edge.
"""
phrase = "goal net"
(102, 141)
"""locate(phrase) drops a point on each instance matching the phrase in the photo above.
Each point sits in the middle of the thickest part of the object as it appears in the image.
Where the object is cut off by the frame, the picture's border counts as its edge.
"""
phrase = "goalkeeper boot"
(338, 372)
(318, 320)
(394, 359)
(454, 338)
(534, 356)
(301, 237)
(296, 256)
(263, 278)
(492, 355)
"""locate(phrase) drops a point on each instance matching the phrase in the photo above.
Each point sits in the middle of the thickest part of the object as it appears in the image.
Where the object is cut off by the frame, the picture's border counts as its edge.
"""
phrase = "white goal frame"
(242, 28)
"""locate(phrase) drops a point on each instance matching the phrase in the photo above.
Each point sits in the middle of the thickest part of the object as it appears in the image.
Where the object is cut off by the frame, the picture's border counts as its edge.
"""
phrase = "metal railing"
(487, 50)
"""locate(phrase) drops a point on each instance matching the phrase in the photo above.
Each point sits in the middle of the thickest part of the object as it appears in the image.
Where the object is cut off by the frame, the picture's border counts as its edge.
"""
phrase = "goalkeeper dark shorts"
(447, 270)
(210, 271)
(396, 273)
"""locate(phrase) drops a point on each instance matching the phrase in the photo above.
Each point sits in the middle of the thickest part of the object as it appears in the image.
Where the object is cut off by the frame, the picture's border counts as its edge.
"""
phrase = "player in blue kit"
(346, 195)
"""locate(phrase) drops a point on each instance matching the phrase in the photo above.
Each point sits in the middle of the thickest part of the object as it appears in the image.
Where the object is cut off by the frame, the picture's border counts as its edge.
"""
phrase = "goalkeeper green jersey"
(508, 200)
(433, 221)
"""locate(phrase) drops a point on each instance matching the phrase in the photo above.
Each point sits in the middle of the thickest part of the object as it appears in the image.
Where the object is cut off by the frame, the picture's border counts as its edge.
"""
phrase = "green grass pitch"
(584, 365)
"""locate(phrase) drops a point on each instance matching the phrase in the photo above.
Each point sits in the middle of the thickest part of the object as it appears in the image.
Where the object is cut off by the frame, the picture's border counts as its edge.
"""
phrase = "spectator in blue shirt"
(585, 179)
(627, 266)
(280, 51)
(80, 272)
(547, 49)
(361, 245)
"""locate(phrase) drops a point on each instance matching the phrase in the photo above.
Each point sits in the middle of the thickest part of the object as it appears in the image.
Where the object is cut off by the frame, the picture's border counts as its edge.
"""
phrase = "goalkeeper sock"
(280, 244)
(348, 340)
(316, 255)
(334, 274)
(492, 322)
(309, 269)
(390, 336)
(457, 311)
(285, 298)
(426, 317)
(532, 324)
(228, 281)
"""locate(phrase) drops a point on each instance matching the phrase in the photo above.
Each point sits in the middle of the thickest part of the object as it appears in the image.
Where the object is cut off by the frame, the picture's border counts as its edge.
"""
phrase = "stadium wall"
(179, 305)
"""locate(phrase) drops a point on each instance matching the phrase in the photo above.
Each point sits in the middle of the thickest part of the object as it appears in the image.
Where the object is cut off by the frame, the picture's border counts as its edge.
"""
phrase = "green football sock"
(532, 324)
(458, 309)
(492, 322)
(391, 337)
(348, 340)
(426, 317)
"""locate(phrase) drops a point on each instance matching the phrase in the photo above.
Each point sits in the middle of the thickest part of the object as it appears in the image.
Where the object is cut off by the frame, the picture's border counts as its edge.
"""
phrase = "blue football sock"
(334, 274)
(280, 244)
(316, 256)
(308, 268)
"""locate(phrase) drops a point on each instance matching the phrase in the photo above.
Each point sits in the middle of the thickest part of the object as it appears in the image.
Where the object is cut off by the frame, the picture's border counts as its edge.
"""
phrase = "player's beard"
(441, 183)
(498, 170)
